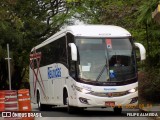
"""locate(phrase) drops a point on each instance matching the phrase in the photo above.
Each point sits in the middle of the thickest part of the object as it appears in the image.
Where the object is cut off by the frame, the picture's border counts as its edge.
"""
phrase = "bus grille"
(113, 94)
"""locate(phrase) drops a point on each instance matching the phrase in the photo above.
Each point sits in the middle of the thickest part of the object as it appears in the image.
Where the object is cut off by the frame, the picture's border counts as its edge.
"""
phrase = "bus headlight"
(85, 91)
(82, 90)
(133, 90)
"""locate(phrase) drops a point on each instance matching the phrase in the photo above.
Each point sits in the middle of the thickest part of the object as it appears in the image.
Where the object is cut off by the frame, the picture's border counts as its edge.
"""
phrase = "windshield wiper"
(100, 74)
(105, 66)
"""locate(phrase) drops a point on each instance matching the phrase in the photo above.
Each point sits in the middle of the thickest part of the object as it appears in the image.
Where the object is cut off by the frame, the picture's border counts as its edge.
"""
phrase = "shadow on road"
(62, 112)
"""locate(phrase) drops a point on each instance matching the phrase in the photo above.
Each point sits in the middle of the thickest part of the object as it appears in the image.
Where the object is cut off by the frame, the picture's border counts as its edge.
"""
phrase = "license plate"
(110, 104)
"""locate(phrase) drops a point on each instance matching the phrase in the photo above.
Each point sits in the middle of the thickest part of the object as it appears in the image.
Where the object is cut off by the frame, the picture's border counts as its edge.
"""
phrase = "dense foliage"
(25, 24)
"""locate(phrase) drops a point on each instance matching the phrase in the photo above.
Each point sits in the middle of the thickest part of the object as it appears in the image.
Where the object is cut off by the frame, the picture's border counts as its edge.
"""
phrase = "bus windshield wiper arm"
(100, 74)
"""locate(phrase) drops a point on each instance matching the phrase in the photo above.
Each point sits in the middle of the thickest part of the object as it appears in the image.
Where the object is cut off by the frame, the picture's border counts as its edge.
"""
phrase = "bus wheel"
(41, 107)
(70, 109)
(117, 110)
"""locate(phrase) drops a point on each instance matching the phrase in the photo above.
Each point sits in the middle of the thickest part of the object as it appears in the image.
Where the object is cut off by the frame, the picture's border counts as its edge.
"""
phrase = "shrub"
(149, 85)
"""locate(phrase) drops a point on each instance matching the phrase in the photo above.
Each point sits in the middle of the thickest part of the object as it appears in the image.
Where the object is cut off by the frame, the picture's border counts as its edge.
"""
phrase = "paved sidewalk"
(154, 108)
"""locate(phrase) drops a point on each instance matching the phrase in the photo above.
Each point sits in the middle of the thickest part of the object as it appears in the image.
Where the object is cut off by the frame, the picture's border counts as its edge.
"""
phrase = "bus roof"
(98, 31)
(109, 31)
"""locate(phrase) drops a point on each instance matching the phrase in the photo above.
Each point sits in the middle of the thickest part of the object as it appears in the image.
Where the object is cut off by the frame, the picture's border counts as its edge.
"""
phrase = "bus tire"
(70, 109)
(41, 107)
(117, 110)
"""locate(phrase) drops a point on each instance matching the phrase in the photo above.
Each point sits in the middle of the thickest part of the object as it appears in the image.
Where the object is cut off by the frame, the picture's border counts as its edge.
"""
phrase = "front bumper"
(87, 100)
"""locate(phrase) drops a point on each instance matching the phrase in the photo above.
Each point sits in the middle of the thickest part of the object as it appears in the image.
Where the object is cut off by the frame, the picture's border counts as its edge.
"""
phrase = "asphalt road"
(92, 114)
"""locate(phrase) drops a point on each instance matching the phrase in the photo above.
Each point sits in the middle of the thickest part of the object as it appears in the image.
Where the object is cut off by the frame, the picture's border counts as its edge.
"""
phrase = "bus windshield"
(106, 60)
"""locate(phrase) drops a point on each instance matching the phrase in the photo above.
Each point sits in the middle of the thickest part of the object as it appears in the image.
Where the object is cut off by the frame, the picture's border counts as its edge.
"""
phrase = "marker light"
(85, 91)
(82, 90)
(132, 90)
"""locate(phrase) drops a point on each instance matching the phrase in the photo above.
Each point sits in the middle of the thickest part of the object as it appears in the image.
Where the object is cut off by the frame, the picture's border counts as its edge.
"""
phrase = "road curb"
(155, 118)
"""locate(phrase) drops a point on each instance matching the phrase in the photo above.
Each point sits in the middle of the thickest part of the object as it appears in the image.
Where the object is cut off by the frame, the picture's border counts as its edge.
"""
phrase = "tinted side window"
(55, 52)
(62, 58)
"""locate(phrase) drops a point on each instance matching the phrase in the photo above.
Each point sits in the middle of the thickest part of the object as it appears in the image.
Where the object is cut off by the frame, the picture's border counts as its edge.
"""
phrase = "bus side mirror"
(142, 51)
(73, 51)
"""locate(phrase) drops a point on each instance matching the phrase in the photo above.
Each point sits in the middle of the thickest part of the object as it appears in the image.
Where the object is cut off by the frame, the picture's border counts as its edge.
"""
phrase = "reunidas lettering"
(54, 73)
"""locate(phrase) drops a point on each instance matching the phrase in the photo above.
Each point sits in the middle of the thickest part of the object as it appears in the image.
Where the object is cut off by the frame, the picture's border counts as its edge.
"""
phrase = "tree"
(152, 32)
(25, 24)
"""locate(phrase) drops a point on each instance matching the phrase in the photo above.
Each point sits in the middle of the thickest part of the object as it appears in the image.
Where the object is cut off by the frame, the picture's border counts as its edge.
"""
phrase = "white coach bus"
(85, 66)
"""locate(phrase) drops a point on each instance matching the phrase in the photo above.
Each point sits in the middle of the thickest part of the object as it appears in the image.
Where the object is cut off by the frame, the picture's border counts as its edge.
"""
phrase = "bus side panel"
(39, 82)
(31, 81)
(43, 85)
(58, 91)
(72, 93)
(54, 76)
(59, 83)
(51, 98)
